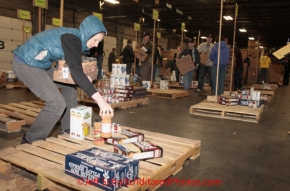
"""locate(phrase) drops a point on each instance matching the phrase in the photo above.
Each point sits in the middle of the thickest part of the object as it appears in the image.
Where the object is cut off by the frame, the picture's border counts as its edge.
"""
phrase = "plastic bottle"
(106, 131)
(98, 140)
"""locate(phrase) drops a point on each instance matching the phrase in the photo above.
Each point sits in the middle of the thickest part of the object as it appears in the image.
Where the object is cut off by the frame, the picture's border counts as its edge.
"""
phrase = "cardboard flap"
(185, 64)
(282, 52)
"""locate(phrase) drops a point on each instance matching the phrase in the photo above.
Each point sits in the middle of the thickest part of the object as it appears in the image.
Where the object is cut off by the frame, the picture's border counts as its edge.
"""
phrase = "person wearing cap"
(146, 64)
(32, 63)
(223, 62)
(205, 68)
(111, 59)
(128, 56)
(194, 54)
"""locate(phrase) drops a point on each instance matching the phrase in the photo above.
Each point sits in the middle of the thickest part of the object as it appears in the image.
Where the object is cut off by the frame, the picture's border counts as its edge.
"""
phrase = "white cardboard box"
(80, 122)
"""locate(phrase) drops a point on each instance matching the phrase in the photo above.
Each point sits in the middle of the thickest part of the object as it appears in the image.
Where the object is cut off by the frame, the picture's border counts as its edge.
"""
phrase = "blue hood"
(224, 54)
(89, 28)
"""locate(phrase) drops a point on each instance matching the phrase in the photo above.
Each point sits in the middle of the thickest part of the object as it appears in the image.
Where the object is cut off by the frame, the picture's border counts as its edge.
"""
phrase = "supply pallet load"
(9, 80)
(50, 157)
(121, 97)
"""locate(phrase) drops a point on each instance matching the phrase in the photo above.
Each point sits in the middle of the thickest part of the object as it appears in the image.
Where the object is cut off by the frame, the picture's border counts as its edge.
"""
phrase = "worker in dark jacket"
(193, 52)
(128, 56)
(32, 64)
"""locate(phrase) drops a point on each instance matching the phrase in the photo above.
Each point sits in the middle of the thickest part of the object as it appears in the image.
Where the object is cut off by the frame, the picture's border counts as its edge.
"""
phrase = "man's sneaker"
(197, 91)
(65, 131)
(24, 141)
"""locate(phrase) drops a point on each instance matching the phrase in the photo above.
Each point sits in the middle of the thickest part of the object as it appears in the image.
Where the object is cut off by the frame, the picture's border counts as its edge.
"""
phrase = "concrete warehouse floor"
(244, 156)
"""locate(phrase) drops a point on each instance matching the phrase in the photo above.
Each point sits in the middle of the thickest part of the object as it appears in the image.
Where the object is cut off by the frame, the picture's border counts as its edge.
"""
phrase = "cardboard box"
(132, 166)
(203, 58)
(226, 86)
(185, 64)
(164, 84)
(282, 52)
(139, 150)
(103, 173)
(246, 102)
(62, 73)
(139, 92)
(142, 55)
(125, 136)
(80, 122)
(228, 103)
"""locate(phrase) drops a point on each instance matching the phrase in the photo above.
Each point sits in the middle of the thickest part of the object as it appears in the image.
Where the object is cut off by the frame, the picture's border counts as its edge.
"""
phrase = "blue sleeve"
(212, 55)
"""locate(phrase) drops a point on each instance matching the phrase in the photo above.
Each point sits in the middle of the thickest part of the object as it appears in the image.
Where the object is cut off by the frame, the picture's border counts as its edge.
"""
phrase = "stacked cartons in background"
(253, 69)
(227, 82)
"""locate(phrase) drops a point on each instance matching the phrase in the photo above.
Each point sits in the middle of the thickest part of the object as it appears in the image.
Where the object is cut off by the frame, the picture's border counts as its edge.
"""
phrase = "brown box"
(90, 70)
(142, 56)
(226, 86)
(203, 58)
(185, 64)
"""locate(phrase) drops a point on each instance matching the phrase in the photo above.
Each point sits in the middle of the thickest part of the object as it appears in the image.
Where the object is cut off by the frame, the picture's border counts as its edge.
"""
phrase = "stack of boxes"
(276, 73)
(227, 81)
(253, 70)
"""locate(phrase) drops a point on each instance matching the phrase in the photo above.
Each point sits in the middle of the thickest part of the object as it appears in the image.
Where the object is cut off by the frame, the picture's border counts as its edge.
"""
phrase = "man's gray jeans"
(58, 104)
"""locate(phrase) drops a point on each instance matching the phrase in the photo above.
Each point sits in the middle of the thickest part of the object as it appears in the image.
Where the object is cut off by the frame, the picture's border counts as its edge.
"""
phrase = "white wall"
(12, 35)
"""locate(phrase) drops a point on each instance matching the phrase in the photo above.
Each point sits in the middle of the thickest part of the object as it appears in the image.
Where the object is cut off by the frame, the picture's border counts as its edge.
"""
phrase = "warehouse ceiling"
(266, 20)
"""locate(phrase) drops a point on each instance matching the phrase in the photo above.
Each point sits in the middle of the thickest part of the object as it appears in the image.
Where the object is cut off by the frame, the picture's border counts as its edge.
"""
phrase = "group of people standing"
(209, 66)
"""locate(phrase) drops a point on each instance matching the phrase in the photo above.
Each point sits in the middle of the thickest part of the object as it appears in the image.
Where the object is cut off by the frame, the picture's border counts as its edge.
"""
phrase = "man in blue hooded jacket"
(32, 64)
(224, 59)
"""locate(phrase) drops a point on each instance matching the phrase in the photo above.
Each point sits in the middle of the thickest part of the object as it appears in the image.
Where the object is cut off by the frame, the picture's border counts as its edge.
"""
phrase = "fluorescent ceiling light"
(185, 30)
(158, 20)
(251, 38)
(168, 6)
(228, 18)
(261, 47)
(112, 1)
(203, 37)
(242, 30)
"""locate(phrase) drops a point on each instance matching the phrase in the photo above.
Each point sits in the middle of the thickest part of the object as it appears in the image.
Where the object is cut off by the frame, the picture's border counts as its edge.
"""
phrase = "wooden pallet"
(181, 87)
(15, 115)
(170, 93)
(47, 158)
(240, 113)
(121, 104)
(259, 87)
(11, 85)
(13, 178)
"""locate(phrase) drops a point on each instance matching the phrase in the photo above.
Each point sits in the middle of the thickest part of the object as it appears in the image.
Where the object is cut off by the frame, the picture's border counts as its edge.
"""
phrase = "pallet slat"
(241, 113)
(170, 93)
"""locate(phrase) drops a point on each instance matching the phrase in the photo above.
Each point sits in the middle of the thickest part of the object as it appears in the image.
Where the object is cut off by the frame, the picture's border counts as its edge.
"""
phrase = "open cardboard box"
(282, 51)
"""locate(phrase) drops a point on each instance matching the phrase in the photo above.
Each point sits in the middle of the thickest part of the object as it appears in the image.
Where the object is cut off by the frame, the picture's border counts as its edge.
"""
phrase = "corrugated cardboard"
(142, 56)
(203, 58)
(282, 52)
(185, 64)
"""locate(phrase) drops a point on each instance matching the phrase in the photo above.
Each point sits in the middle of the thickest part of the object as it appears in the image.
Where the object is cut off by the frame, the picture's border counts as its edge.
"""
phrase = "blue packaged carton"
(103, 173)
(132, 165)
